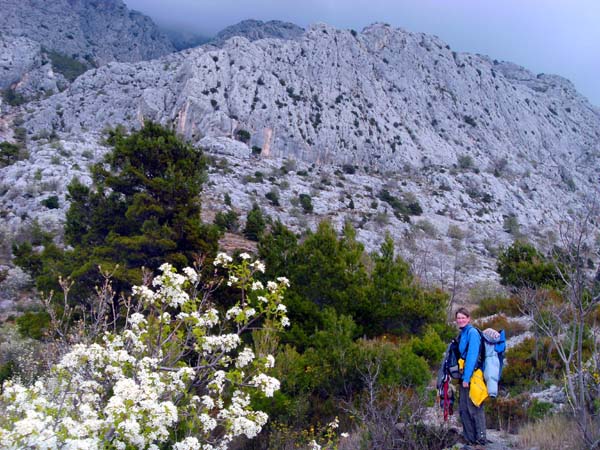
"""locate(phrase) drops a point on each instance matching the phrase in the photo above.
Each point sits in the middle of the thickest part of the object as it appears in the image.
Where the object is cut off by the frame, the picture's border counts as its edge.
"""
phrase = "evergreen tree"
(521, 265)
(142, 209)
(277, 249)
(255, 224)
(399, 304)
(328, 272)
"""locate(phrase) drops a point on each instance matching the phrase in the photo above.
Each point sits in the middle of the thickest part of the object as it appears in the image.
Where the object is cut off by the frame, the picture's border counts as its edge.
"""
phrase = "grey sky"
(550, 36)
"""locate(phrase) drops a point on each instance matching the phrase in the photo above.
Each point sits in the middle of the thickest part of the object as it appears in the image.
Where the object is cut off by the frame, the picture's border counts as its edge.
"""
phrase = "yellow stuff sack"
(477, 389)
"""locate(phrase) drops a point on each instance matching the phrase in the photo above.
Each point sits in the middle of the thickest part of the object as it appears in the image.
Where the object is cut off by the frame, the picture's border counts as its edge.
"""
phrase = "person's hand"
(465, 384)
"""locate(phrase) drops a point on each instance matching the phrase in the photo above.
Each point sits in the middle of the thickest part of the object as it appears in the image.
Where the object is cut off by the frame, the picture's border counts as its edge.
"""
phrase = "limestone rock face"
(225, 146)
(17, 56)
(384, 98)
(39, 39)
(97, 30)
(487, 149)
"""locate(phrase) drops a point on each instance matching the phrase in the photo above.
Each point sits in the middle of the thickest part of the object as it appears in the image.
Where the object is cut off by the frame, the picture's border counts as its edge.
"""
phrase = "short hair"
(463, 311)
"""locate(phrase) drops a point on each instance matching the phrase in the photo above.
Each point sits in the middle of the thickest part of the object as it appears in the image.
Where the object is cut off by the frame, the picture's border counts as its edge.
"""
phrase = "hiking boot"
(463, 440)
(473, 446)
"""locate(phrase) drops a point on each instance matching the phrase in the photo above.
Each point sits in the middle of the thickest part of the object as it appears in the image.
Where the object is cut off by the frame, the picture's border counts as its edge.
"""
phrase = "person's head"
(462, 317)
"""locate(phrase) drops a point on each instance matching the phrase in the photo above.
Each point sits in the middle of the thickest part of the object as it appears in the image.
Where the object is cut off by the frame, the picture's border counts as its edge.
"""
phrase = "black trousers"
(472, 417)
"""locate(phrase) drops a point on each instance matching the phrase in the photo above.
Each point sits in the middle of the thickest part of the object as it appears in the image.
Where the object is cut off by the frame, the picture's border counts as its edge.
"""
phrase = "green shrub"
(522, 265)
(33, 324)
(243, 136)
(227, 220)
(402, 208)
(273, 197)
(306, 203)
(470, 120)
(465, 162)
(397, 365)
(530, 362)
(6, 371)
(50, 202)
(427, 227)
(537, 409)
(349, 169)
(499, 304)
(430, 346)
(9, 154)
(12, 97)
(70, 68)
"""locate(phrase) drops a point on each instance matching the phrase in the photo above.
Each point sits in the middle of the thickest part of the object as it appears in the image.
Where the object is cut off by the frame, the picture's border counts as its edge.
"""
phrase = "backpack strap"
(482, 341)
(481, 356)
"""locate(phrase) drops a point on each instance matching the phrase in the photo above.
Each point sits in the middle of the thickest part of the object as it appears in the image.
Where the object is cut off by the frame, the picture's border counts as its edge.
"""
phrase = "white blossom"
(313, 445)
(266, 384)
(233, 312)
(208, 422)
(222, 259)
(224, 342)
(216, 384)
(208, 402)
(117, 393)
(284, 281)
(335, 423)
(191, 274)
(137, 319)
(258, 266)
(270, 362)
(245, 357)
(189, 443)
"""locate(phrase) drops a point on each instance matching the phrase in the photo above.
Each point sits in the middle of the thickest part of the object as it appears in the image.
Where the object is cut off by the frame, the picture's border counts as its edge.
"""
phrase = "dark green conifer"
(255, 224)
(142, 209)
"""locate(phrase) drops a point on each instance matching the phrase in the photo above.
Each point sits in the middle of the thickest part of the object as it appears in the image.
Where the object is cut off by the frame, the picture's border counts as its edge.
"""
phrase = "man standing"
(471, 416)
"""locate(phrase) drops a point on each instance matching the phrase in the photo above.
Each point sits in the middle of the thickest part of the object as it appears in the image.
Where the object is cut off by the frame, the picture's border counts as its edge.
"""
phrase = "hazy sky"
(550, 36)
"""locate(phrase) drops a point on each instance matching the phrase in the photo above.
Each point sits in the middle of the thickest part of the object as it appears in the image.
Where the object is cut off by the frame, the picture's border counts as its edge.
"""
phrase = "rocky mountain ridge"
(370, 121)
(254, 30)
(35, 33)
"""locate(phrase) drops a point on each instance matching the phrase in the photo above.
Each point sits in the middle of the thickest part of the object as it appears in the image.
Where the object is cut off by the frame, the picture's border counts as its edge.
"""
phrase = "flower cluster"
(132, 388)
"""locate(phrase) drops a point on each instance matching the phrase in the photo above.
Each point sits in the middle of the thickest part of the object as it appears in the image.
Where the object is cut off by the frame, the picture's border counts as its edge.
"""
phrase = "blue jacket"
(495, 343)
(468, 346)
(491, 372)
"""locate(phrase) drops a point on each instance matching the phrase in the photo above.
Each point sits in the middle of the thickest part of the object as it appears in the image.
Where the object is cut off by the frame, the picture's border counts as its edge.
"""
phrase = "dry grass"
(552, 433)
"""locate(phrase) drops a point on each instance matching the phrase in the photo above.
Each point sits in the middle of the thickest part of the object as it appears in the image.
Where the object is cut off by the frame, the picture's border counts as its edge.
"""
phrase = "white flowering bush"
(178, 373)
